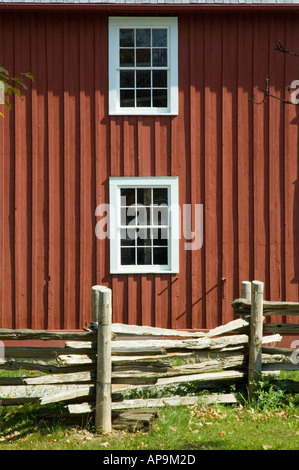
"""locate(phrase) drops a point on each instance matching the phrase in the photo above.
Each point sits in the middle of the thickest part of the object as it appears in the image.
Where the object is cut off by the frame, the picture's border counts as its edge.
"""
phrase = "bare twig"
(267, 94)
(281, 48)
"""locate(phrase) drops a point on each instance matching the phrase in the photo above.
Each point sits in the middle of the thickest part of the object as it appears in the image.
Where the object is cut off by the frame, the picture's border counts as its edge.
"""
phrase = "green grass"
(177, 428)
(269, 421)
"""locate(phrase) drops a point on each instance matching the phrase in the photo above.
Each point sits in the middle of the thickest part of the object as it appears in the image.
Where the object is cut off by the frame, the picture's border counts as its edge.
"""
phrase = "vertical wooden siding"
(59, 146)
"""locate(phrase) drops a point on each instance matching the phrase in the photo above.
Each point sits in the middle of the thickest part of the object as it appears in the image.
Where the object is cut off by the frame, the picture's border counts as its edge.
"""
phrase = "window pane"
(127, 98)
(143, 78)
(143, 97)
(126, 37)
(144, 196)
(143, 57)
(143, 37)
(127, 237)
(127, 79)
(160, 196)
(127, 256)
(160, 255)
(159, 38)
(159, 57)
(160, 237)
(127, 196)
(144, 237)
(143, 215)
(144, 256)
(160, 78)
(127, 216)
(126, 58)
(160, 98)
(160, 215)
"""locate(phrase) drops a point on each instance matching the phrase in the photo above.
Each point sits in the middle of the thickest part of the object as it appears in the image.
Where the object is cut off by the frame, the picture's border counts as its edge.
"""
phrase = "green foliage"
(271, 395)
(12, 85)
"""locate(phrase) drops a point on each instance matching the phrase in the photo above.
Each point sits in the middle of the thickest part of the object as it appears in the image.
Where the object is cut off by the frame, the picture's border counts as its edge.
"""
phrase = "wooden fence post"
(256, 333)
(246, 290)
(102, 313)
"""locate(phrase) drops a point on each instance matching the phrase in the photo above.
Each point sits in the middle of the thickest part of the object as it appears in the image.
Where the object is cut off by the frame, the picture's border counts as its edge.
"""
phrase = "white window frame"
(115, 24)
(117, 183)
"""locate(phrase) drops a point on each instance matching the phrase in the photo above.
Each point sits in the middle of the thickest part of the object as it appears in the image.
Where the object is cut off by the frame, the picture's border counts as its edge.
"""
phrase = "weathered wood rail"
(95, 370)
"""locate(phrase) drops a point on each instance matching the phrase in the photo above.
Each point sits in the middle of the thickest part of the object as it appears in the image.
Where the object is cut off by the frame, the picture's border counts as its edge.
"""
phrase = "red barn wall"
(58, 147)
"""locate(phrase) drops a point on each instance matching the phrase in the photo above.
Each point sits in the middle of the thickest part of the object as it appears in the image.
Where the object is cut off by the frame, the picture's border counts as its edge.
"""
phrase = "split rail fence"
(96, 371)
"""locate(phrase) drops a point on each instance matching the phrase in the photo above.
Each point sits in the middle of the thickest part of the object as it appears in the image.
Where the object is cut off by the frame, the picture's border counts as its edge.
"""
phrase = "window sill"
(141, 113)
(149, 270)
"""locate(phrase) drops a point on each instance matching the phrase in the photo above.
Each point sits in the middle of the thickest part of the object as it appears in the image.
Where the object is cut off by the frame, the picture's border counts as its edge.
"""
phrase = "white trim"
(115, 23)
(115, 184)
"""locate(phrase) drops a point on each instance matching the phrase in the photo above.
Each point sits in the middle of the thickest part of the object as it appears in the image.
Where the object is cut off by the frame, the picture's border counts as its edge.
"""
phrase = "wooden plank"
(126, 347)
(201, 343)
(45, 335)
(279, 366)
(55, 170)
(271, 339)
(22, 186)
(212, 172)
(275, 161)
(176, 400)
(242, 306)
(216, 364)
(215, 376)
(179, 372)
(274, 350)
(205, 379)
(35, 352)
(122, 329)
(46, 365)
(39, 185)
(79, 408)
(140, 365)
(50, 394)
(228, 157)
(240, 323)
(86, 69)
(133, 420)
(7, 147)
(243, 154)
(77, 377)
(69, 395)
(282, 328)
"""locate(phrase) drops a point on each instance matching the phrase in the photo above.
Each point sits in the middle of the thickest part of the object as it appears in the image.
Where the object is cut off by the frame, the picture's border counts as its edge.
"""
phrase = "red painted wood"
(59, 146)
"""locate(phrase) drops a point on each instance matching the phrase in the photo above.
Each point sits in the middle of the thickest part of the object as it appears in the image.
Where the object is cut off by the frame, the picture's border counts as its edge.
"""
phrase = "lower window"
(144, 225)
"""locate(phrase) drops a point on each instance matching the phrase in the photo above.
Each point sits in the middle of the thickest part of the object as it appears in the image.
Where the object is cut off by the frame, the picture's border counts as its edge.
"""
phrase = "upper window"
(144, 225)
(143, 65)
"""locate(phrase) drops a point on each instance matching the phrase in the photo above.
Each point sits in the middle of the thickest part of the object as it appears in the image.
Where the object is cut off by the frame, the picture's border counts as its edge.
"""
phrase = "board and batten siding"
(58, 147)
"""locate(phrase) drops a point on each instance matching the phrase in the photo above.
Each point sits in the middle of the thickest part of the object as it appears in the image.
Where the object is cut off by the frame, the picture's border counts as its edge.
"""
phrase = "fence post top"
(258, 286)
(101, 288)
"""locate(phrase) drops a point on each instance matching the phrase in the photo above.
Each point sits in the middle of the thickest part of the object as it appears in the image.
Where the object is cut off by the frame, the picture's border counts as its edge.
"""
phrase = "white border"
(171, 182)
(171, 23)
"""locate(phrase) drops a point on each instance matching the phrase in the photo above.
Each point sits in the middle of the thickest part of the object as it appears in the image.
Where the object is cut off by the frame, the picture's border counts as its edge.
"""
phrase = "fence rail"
(95, 370)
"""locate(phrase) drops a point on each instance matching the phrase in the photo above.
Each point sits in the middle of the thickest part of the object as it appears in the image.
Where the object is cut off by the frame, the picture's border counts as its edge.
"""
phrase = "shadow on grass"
(216, 444)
